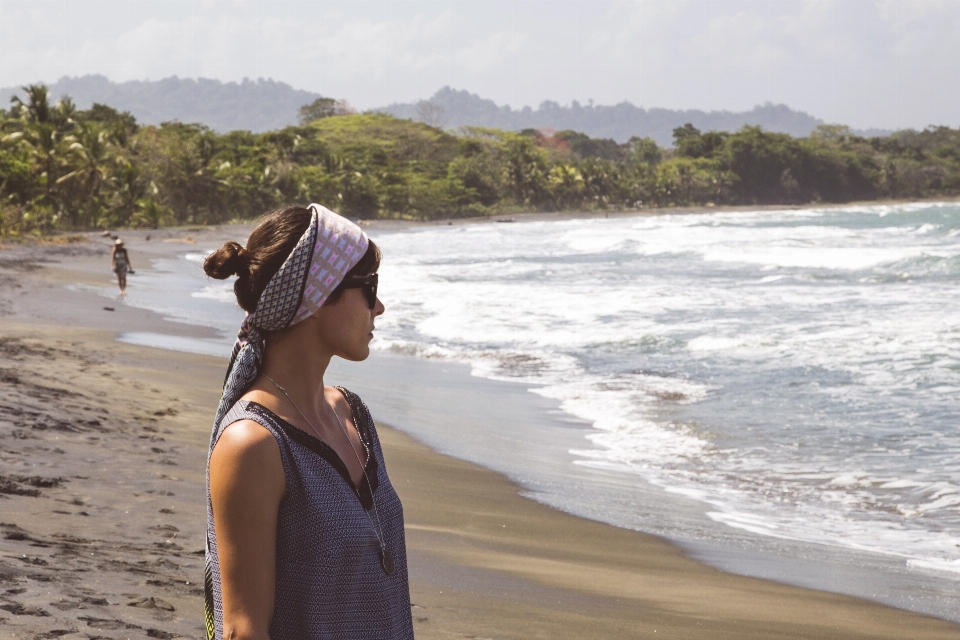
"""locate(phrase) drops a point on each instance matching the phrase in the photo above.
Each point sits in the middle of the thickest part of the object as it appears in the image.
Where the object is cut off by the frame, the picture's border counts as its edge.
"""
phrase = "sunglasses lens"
(367, 285)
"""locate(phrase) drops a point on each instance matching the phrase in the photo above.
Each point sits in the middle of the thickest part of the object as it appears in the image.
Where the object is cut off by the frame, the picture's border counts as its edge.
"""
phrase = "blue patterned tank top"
(330, 581)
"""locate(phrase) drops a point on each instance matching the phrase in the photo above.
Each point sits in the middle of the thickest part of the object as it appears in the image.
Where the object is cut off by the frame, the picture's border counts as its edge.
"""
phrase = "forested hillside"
(452, 109)
(66, 168)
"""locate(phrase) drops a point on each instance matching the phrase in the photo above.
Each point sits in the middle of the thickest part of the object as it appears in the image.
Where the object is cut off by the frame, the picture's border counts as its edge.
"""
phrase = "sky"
(866, 63)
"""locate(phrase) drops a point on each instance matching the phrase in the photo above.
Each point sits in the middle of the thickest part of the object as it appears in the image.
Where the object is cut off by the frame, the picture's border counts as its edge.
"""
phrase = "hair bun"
(228, 260)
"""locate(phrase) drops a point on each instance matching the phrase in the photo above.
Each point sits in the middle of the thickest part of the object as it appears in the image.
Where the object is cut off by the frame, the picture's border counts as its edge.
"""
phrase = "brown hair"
(270, 242)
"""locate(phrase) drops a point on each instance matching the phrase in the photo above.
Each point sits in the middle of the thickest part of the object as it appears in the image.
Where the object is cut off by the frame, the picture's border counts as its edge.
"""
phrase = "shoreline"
(530, 569)
(177, 234)
(501, 426)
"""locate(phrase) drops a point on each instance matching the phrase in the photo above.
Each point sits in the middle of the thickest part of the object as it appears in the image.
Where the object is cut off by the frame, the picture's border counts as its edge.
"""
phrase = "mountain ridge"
(254, 105)
(265, 105)
(619, 122)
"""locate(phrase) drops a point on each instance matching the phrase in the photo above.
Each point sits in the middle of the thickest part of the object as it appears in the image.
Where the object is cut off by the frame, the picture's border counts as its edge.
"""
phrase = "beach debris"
(105, 234)
(505, 220)
(19, 609)
(149, 602)
(68, 539)
(147, 237)
(15, 533)
(107, 623)
(12, 485)
(108, 308)
(60, 240)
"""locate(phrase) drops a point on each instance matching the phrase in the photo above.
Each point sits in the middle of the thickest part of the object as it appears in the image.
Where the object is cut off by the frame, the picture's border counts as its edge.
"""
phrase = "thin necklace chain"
(363, 467)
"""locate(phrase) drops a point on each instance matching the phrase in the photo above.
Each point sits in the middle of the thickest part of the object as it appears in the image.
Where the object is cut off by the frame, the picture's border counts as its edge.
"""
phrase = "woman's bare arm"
(246, 486)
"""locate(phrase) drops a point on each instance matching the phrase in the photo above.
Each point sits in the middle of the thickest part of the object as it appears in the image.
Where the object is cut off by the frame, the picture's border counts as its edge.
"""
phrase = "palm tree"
(150, 213)
(89, 150)
(127, 191)
(39, 134)
(37, 106)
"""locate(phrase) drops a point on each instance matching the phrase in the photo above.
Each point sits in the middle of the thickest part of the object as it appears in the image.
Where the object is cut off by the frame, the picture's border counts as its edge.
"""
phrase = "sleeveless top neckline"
(325, 451)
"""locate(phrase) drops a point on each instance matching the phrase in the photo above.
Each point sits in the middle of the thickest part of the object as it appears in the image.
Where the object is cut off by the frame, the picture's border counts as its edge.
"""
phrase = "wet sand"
(102, 504)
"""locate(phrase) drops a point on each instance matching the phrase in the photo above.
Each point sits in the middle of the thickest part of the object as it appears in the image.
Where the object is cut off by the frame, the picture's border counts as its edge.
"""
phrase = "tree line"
(62, 168)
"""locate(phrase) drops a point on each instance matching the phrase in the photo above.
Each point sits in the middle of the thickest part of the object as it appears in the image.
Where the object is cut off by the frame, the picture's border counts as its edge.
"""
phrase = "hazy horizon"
(432, 94)
(888, 64)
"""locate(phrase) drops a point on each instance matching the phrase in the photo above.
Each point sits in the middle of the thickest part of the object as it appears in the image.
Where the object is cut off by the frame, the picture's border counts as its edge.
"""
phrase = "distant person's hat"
(118, 242)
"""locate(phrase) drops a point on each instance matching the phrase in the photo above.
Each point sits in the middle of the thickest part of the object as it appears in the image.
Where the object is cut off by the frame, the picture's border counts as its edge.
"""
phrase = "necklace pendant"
(386, 560)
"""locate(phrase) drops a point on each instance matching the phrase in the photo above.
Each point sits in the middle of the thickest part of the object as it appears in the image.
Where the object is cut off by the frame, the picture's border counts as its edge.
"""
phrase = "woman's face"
(346, 327)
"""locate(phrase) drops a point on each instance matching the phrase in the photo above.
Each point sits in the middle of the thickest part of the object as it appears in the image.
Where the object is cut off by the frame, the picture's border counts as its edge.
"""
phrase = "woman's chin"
(357, 355)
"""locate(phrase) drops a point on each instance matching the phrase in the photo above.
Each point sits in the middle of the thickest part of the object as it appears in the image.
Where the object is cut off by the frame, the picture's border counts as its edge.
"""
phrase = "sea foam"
(791, 370)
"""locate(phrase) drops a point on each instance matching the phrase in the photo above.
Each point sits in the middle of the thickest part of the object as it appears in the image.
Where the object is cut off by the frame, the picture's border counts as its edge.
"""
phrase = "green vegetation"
(62, 168)
(323, 108)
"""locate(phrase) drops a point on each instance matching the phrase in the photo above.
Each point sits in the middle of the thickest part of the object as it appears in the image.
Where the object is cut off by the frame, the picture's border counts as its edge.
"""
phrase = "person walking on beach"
(120, 265)
(304, 530)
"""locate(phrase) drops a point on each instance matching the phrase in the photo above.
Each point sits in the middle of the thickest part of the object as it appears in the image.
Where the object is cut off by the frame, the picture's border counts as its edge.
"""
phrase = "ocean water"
(177, 288)
(795, 374)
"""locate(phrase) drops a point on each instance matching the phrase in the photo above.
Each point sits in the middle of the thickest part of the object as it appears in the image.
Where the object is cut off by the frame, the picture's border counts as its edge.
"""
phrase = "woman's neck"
(297, 364)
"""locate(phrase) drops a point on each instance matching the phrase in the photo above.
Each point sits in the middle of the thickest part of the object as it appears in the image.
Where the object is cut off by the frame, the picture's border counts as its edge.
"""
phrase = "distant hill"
(253, 105)
(620, 122)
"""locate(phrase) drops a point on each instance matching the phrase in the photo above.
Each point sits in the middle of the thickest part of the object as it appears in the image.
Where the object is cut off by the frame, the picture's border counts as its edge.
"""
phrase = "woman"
(304, 530)
(120, 265)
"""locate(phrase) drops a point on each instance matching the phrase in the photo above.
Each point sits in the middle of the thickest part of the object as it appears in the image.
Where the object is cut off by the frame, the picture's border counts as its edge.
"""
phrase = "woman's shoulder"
(246, 443)
(246, 464)
(246, 433)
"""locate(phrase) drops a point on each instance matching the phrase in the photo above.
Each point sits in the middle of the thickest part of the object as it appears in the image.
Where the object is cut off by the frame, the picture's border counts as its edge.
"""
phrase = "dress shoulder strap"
(361, 414)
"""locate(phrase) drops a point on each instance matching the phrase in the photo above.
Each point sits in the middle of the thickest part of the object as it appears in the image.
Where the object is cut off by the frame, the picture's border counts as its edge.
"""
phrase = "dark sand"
(102, 503)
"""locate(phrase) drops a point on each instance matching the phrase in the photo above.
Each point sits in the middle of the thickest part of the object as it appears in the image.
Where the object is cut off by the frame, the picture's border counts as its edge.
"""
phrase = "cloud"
(889, 63)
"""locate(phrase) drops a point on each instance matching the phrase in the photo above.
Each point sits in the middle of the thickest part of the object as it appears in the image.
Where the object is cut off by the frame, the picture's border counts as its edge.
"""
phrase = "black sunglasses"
(367, 283)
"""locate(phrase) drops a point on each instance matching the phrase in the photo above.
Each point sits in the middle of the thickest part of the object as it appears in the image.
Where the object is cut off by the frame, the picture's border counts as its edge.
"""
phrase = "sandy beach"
(102, 500)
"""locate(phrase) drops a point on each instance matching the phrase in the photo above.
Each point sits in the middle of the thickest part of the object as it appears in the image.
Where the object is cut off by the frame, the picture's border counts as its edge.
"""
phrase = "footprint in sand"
(19, 609)
(149, 602)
